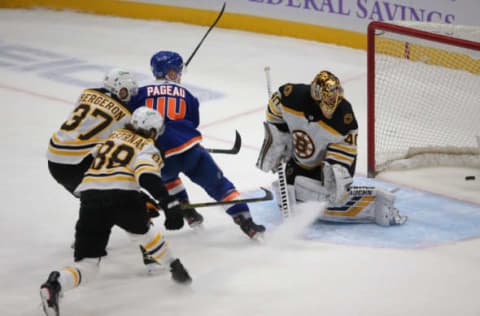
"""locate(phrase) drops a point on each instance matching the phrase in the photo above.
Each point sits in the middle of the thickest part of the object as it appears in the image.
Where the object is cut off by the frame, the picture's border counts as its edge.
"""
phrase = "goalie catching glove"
(276, 147)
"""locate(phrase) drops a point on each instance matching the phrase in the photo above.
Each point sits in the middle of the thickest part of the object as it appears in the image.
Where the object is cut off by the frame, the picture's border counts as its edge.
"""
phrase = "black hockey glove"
(173, 214)
(153, 209)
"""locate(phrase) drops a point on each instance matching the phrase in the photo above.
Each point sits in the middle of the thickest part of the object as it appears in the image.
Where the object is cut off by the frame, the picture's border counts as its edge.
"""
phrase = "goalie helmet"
(327, 90)
(121, 83)
(146, 119)
(165, 61)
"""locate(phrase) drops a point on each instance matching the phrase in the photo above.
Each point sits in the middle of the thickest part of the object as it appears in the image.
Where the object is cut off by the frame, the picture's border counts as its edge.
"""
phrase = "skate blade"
(155, 268)
(259, 238)
(197, 227)
(49, 310)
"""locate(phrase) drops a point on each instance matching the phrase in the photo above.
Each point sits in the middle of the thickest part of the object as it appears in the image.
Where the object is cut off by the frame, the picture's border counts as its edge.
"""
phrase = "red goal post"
(423, 96)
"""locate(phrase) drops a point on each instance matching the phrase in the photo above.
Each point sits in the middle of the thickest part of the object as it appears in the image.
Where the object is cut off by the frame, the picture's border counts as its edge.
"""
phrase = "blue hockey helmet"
(164, 61)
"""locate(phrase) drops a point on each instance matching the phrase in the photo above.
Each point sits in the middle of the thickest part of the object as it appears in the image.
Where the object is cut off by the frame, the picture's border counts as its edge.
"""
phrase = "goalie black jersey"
(120, 160)
(315, 137)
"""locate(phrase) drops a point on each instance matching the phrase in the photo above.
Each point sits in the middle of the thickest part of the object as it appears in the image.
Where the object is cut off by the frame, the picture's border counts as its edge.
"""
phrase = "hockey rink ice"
(429, 266)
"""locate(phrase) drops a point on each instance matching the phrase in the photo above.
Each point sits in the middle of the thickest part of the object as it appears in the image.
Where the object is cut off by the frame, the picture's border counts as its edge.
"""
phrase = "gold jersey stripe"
(292, 111)
(336, 156)
(274, 119)
(142, 169)
(68, 152)
(328, 128)
(346, 148)
(273, 108)
(88, 179)
(75, 142)
(101, 172)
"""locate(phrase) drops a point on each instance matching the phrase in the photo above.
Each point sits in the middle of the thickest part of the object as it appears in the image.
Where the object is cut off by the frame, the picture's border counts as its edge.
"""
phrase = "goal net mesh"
(426, 102)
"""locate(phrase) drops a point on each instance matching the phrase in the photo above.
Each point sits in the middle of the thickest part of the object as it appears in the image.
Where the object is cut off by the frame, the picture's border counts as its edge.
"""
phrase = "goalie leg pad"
(307, 189)
(337, 181)
(276, 147)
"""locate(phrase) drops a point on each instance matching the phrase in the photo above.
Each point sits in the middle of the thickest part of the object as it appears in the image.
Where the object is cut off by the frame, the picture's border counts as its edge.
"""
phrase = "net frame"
(434, 153)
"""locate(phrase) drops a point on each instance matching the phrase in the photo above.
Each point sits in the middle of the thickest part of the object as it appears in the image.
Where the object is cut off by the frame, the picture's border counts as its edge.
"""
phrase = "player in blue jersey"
(180, 144)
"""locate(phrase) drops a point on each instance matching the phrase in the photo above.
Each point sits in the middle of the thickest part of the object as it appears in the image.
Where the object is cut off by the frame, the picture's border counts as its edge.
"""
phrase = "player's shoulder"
(294, 90)
(295, 95)
(102, 92)
(345, 116)
(345, 106)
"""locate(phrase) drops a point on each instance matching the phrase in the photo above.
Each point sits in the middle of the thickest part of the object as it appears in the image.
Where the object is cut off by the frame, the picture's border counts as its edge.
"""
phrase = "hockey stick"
(267, 197)
(232, 151)
(282, 179)
(204, 36)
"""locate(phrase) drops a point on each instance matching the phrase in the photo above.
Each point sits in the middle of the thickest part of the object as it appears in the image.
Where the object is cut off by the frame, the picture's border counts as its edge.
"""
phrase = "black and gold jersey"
(119, 162)
(315, 137)
(95, 116)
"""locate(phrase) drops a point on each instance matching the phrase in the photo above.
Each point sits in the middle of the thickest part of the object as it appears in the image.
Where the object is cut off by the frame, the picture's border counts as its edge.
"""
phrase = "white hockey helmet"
(146, 119)
(121, 83)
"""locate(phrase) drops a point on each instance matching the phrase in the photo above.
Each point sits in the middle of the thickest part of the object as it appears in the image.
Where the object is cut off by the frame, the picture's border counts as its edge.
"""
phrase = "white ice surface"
(232, 276)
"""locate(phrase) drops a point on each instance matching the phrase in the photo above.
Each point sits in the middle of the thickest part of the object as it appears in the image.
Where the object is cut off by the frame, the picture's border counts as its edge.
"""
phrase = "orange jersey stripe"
(183, 147)
(170, 185)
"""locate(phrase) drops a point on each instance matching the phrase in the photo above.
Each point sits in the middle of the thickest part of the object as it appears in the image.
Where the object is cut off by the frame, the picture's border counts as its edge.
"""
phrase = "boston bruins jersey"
(94, 118)
(120, 160)
(315, 137)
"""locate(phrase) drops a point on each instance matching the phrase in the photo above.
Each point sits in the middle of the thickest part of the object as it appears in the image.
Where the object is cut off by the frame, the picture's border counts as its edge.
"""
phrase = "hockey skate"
(179, 273)
(193, 218)
(50, 294)
(252, 230)
(397, 219)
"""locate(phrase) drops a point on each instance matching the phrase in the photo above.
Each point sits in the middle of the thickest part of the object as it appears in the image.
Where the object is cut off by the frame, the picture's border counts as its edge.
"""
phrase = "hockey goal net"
(423, 96)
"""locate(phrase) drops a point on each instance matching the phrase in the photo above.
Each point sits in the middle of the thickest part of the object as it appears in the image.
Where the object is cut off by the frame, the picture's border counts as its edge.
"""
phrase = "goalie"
(312, 128)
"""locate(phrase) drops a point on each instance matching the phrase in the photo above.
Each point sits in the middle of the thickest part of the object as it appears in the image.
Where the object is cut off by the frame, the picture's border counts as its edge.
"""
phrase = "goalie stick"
(267, 197)
(204, 36)
(232, 151)
(282, 179)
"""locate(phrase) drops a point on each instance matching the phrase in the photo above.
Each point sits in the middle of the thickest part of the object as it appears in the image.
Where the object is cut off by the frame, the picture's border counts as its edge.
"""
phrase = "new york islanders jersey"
(119, 161)
(179, 108)
(315, 138)
(95, 117)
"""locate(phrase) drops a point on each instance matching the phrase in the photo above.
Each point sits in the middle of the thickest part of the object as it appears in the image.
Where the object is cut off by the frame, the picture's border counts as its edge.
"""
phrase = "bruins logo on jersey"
(348, 118)
(287, 90)
(157, 158)
(303, 144)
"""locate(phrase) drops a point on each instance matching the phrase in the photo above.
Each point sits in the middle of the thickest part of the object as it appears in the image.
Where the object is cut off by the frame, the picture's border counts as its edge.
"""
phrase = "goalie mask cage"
(423, 96)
